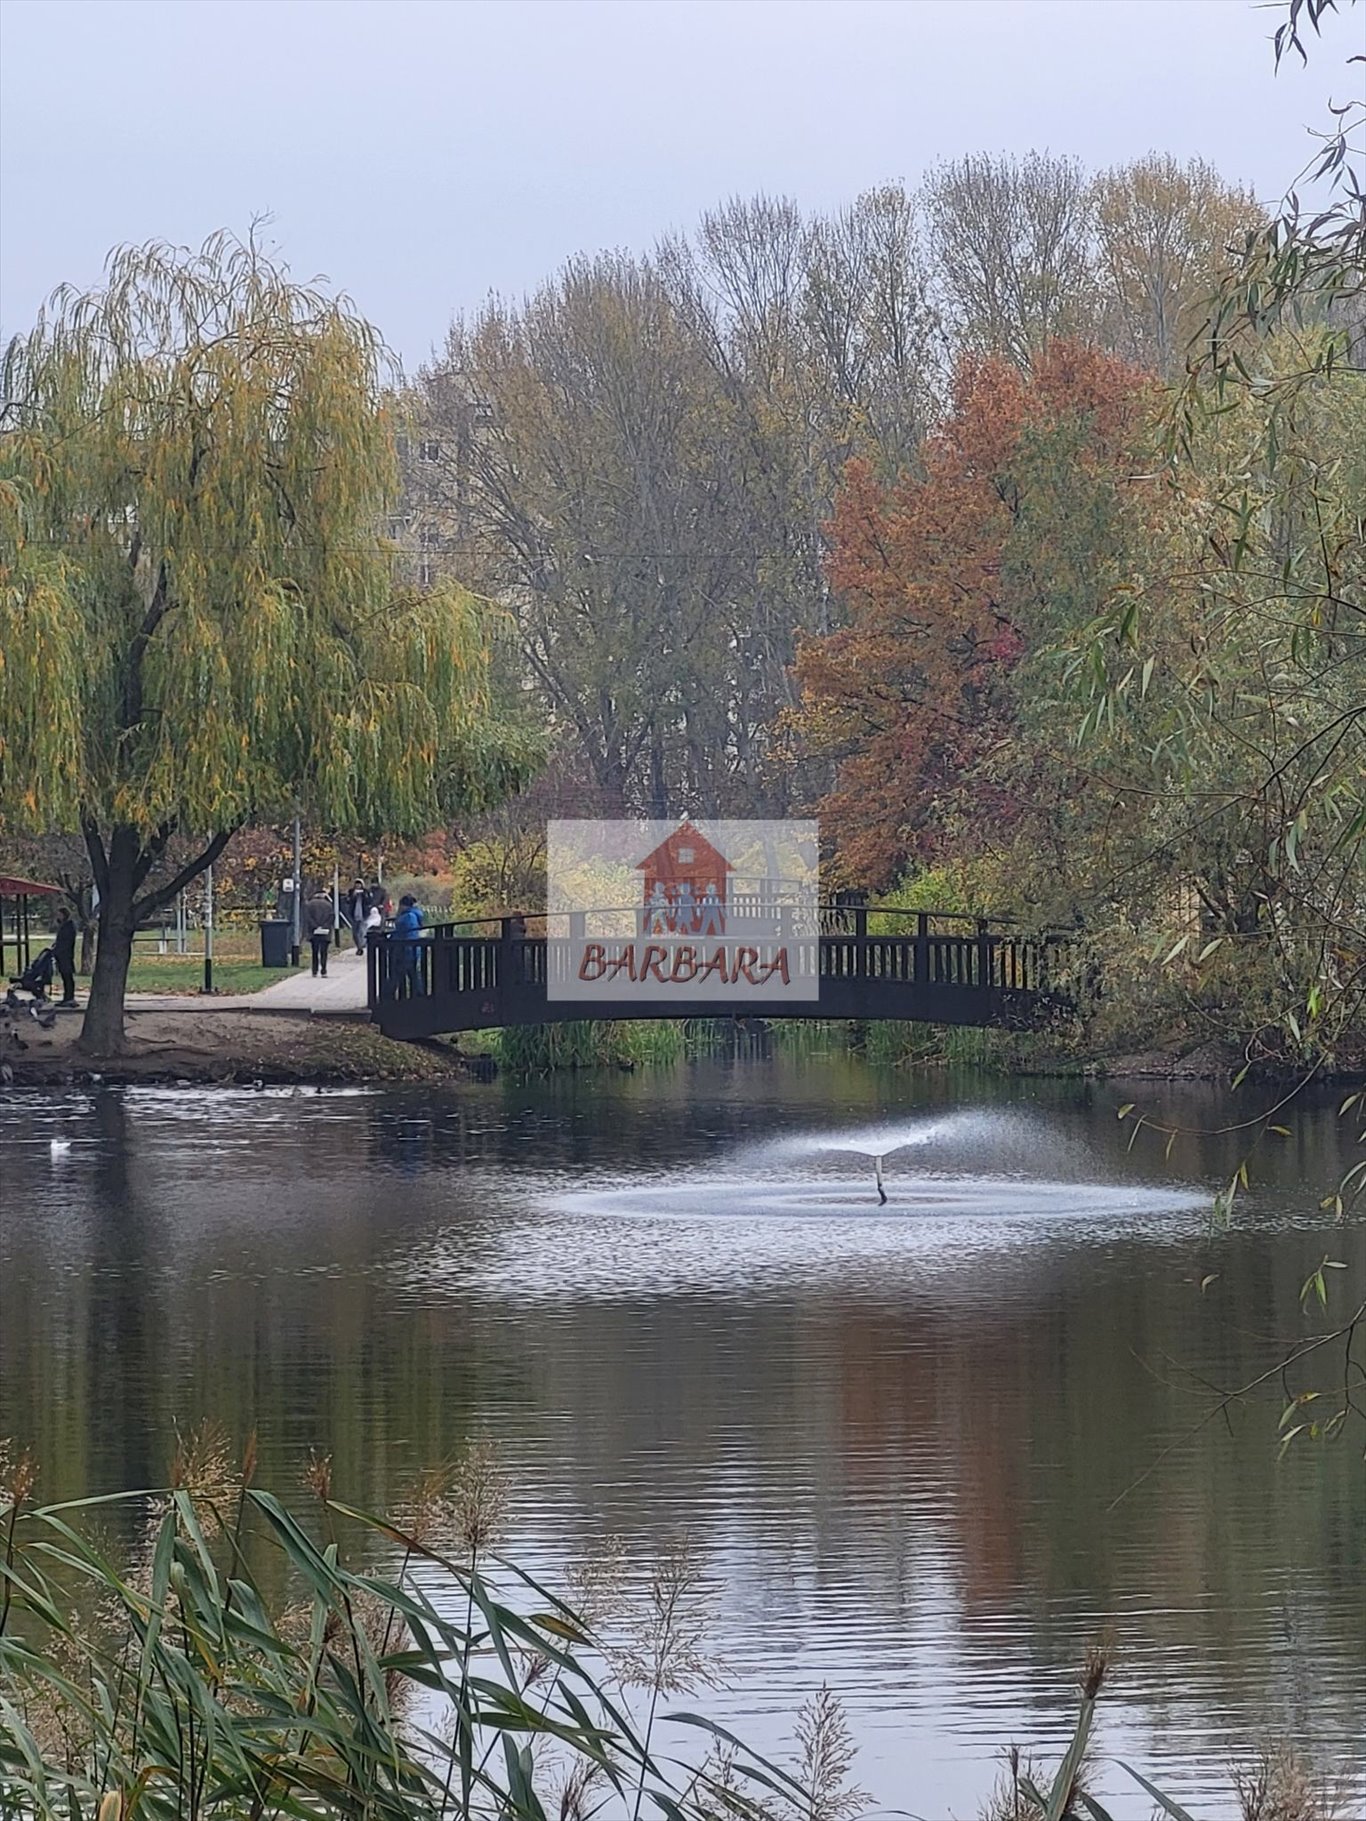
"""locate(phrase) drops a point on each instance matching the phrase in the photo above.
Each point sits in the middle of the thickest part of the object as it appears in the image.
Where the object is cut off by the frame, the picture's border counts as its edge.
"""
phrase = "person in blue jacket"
(407, 955)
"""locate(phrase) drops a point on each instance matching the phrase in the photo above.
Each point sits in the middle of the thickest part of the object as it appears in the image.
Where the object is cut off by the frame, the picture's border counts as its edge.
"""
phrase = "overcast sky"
(421, 153)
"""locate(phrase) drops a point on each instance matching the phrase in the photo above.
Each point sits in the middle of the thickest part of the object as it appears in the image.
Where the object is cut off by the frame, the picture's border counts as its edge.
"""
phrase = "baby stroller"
(36, 982)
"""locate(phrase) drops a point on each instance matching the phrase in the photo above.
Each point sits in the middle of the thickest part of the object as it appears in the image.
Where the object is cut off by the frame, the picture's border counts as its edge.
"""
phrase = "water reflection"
(897, 1432)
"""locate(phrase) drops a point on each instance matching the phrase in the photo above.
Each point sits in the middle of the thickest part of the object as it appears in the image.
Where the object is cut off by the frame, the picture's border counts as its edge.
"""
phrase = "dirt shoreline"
(222, 1048)
(276, 1048)
(1204, 1062)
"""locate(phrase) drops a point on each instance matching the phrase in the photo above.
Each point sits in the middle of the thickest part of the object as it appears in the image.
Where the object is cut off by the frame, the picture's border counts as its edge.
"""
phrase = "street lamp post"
(296, 930)
(208, 932)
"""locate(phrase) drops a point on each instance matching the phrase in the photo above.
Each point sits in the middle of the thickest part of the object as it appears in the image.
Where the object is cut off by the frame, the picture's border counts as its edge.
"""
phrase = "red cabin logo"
(685, 886)
(658, 910)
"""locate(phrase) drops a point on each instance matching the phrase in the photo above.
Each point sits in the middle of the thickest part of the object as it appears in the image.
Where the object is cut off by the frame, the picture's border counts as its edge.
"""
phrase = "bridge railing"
(449, 962)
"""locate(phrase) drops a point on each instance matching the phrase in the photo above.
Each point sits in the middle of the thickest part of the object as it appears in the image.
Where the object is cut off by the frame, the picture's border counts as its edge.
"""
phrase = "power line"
(418, 553)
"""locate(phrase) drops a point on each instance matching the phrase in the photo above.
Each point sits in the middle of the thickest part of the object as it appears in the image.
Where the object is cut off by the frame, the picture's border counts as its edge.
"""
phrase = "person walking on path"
(318, 923)
(64, 954)
(357, 903)
(407, 956)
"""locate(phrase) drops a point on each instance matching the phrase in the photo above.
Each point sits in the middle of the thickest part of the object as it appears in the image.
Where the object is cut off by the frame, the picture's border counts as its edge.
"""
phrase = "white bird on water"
(59, 1146)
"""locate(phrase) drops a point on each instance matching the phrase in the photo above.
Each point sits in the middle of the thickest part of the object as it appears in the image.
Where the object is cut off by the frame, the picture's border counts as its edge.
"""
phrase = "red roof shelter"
(20, 890)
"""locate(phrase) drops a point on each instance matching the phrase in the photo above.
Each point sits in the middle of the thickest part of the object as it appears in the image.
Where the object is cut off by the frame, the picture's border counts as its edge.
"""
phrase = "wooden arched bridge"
(865, 963)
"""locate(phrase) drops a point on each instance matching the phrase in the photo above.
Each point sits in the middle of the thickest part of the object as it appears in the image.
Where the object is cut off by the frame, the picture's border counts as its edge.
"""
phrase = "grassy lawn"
(236, 965)
(153, 973)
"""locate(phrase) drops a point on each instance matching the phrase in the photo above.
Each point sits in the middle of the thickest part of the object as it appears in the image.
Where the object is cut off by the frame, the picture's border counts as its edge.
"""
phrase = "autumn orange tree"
(948, 578)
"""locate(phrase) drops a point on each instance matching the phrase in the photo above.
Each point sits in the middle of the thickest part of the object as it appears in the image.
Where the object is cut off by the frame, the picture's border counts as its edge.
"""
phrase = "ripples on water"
(897, 1433)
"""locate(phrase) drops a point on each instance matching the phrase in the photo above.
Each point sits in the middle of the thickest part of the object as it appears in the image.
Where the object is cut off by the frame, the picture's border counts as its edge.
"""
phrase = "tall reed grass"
(237, 1661)
(595, 1044)
(893, 1042)
(587, 1044)
(445, 1686)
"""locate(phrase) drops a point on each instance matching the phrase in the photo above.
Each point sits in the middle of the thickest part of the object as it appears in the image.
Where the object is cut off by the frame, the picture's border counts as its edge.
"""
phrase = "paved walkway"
(340, 995)
(343, 989)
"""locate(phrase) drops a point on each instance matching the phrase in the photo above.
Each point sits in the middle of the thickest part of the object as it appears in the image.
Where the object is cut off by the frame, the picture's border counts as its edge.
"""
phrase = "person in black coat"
(64, 954)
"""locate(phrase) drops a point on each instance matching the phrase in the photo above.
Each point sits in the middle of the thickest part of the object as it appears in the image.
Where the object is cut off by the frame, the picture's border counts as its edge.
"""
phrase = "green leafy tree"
(1230, 670)
(198, 619)
(1307, 264)
(1263, 714)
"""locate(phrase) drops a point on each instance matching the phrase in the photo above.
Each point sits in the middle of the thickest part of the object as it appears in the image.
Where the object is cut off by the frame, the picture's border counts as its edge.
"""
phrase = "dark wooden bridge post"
(983, 955)
(509, 930)
(922, 948)
(372, 965)
(860, 962)
(578, 934)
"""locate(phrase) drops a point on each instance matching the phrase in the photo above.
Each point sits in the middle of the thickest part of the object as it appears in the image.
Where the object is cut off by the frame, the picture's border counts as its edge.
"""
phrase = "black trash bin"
(275, 933)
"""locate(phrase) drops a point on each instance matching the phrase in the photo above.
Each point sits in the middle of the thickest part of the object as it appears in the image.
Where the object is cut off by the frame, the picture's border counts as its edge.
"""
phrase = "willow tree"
(199, 624)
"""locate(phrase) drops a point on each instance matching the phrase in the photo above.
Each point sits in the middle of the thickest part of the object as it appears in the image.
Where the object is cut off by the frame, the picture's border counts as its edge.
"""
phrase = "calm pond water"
(896, 1434)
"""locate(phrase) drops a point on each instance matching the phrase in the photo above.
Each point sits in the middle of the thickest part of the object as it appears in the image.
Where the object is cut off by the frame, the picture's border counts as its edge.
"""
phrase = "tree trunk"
(659, 784)
(102, 1031)
(610, 775)
(122, 867)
